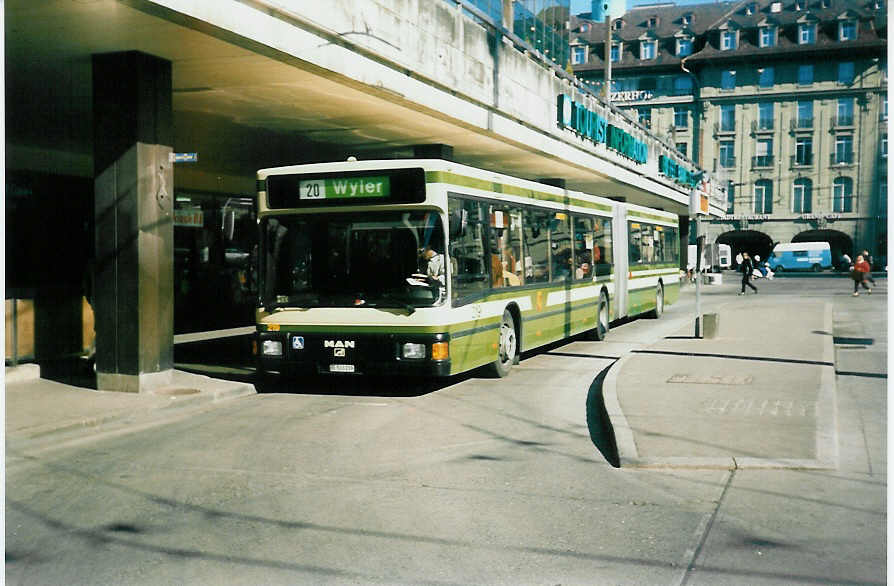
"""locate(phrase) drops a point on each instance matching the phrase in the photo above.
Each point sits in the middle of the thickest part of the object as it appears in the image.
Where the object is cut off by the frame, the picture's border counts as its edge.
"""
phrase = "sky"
(578, 6)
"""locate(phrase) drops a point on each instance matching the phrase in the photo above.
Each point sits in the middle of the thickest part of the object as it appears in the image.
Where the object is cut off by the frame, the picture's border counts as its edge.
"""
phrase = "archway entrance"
(750, 241)
(839, 242)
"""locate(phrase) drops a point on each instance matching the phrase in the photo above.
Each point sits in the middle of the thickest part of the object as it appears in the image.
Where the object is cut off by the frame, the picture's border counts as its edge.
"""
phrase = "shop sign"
(593, 127)
(189, 218)
(737, 217)
(830, 217)
(672, 169)
(631, 96)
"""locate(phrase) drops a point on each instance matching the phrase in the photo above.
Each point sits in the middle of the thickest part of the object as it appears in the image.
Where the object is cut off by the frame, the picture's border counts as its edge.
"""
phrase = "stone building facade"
(785, 101)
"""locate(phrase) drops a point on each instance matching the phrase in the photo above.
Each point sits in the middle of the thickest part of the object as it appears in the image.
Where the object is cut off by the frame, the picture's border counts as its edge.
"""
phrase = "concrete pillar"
(133, 134)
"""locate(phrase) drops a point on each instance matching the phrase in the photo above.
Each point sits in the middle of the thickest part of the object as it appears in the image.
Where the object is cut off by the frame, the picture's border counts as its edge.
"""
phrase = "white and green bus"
(432, 268)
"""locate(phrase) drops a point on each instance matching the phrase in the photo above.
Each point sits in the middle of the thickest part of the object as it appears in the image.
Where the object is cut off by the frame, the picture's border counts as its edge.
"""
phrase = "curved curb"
(826, 426)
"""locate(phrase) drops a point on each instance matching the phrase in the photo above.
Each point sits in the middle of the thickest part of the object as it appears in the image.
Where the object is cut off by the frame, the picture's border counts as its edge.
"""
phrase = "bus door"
(622, 266)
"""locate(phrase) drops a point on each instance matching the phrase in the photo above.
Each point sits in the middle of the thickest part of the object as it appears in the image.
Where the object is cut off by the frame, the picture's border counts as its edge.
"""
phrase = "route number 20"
(315, 189)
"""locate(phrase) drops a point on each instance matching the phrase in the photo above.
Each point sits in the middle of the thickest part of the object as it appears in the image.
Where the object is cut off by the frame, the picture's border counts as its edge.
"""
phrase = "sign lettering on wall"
(595, 128)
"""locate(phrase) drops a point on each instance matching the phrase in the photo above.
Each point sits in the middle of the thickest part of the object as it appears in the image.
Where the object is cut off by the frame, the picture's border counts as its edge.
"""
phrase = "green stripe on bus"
(633, 216)
(475, 183)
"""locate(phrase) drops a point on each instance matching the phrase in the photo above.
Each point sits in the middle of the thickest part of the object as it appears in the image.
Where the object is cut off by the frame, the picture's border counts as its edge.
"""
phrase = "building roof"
(703, 23)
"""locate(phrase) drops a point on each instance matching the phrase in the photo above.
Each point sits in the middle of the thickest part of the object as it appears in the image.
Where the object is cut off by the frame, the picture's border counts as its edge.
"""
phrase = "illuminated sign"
(593, 127)
(189, 218)
(344, 188)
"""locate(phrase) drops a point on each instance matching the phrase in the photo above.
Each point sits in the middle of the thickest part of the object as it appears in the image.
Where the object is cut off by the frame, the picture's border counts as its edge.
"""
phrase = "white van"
(803, 256)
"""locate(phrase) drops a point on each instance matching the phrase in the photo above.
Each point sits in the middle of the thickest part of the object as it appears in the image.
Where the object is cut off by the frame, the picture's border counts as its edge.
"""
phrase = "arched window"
(802, 196)
(843, 194)
(763, 196)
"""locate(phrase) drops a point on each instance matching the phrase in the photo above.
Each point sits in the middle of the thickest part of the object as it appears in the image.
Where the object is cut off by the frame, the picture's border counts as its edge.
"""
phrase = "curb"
(21, 373)
(826, 426)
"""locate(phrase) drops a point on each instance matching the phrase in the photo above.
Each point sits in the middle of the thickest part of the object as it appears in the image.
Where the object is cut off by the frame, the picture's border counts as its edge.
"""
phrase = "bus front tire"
(508, 347)
(659, 302)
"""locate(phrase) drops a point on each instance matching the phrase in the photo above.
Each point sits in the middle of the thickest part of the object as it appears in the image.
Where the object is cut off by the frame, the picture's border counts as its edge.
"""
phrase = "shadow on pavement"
(601, 432)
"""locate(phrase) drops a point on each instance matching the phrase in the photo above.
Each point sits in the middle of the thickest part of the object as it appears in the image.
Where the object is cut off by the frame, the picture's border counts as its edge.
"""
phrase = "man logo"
(338, 343)
(339, 352)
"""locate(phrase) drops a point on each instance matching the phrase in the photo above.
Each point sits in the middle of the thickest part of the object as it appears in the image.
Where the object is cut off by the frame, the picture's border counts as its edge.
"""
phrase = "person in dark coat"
(747, 266)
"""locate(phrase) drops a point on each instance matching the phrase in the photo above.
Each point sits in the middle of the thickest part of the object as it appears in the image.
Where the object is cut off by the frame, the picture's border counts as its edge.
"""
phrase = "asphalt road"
(474, 481)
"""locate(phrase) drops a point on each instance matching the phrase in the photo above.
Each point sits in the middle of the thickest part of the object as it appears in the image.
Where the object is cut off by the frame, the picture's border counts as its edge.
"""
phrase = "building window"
(803, 151)
(847, 30)
(766, 77)
(805, 114)
(647, 50)
(884, 107)
(805, 74)
(652, 22)
(681, 117)
(728, 118)
(684, 47)
(765, 114)
(845, 115)
(727, 40)
(728, 80)
(767, 36)
(645, 117)
(683, 148)
(578, 55)
(727, 156)
(846, 72)
(615, 54)
(844, 150)
(763, 196)
(618, 24)
(883, 147)
(806, 34)
(682, 85)
(843, 194)
(802, 196)
(763, 154)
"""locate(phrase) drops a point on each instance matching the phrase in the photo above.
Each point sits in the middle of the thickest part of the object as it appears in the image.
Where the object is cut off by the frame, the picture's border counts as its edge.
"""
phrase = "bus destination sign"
(344, 188)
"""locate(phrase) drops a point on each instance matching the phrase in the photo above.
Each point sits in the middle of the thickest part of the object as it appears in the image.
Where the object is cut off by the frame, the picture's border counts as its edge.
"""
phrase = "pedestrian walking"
(859, 275)
(747, 267)
(868, 260)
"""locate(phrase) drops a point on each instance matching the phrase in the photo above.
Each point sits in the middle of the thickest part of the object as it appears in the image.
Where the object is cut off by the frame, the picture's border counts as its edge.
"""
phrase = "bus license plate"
(341, 368)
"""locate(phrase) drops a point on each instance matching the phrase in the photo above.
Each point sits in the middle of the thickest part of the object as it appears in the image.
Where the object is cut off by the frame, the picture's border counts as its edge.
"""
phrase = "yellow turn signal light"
(440, 351)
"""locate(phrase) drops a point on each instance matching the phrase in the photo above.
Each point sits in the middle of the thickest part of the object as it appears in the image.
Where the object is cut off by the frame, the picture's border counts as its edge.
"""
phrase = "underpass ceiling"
(239, 109)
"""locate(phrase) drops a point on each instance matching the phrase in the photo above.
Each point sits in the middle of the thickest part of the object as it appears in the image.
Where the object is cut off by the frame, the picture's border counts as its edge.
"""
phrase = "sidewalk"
(761, 394)
(42, 412)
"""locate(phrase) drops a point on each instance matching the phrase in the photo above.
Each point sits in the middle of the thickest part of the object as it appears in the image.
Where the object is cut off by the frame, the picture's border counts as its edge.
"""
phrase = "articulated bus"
(432, 268)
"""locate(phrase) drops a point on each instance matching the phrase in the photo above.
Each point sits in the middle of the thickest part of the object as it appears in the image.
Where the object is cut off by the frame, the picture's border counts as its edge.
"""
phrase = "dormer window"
(684, 46)
(652, 22)
(584, 27)
(776, 7)
(727, 40)
(578, 54)
(618, 24)
(806, 33)
(799, 5)
(767, 36)
(647, 50)
(825, 3)
(847, 30)
(750, 8)
(686, 19)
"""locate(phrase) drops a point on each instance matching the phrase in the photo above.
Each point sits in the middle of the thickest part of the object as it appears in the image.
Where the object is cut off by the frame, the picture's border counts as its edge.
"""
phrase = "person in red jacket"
(859, 274)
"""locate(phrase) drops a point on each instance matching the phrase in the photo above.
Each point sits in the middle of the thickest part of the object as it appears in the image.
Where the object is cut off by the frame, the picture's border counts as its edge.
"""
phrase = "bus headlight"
(412, 350)
(272, 348)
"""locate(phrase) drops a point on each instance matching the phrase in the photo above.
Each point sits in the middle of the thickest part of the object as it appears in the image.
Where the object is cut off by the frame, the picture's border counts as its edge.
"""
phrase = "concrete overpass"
(259, 83)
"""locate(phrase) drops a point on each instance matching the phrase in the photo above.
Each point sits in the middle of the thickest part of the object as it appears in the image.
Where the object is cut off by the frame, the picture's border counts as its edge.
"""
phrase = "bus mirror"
(458, 222)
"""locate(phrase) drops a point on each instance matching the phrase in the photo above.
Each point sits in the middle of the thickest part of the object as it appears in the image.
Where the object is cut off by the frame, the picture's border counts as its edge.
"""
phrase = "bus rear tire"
(817, 268)
(599, 333)
(508, 347)
(659, 302)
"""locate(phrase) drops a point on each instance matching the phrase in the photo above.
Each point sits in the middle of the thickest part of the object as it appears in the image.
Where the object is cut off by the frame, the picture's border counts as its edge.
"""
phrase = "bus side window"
(602, 246)
(560, 247)
(583, 247)
(536, 245)
(633, 239)
(470, 274)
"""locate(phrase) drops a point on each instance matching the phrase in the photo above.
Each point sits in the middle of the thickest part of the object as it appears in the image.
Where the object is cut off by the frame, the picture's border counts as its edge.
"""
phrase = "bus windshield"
(391, 259)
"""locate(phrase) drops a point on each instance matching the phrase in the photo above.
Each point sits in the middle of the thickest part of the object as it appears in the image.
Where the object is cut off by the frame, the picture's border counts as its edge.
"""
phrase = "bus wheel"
(508, 346)
(601, 330)
(779, 269)
(817, 268)
(659, 302)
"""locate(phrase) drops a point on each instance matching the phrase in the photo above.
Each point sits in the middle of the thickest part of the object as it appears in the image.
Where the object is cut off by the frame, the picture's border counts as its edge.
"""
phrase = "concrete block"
(710, 325)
